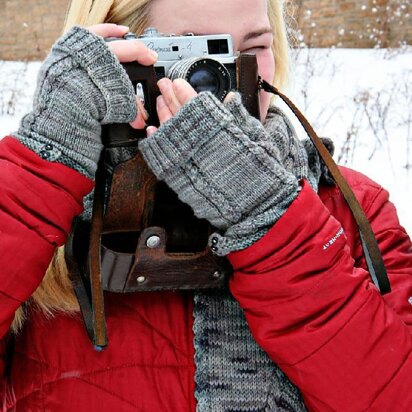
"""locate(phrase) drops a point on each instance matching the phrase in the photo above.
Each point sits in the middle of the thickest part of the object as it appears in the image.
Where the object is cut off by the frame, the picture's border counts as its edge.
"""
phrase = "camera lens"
(203, 74)
(204, 81)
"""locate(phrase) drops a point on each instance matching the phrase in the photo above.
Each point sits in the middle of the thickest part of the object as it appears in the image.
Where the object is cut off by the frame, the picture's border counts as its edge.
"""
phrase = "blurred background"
(29, 27)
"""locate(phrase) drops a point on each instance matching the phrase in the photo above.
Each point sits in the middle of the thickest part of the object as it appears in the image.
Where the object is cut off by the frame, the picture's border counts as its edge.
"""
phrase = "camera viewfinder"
(218, 46)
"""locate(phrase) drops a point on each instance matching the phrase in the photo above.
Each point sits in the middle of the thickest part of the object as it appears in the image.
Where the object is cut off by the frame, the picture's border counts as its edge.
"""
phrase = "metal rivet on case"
(48, 147)
(216, 275)
(214, 248)
(153, 241)
(140, 279)
(214, 240)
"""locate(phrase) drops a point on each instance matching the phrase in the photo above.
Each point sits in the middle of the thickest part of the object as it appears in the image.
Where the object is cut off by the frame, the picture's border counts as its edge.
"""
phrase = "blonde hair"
(55, 293)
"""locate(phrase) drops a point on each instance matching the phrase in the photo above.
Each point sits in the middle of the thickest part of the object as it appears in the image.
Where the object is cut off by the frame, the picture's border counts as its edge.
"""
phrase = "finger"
(142, 109)
(108, 30)
(150, 130)
(133, 50)
(183, 91)
(163, 110)
(142, 116)
(229, 97)
(166, 88)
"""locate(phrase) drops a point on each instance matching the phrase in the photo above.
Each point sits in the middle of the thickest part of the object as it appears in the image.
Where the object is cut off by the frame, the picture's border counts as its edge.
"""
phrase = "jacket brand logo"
(331, 241)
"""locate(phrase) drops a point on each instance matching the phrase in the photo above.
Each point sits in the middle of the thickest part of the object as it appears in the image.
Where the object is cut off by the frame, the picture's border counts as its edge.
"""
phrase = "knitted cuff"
(91, 53)
(83, 160)
(63, 125)
(282, 136)
(252, 228)
(238, 110)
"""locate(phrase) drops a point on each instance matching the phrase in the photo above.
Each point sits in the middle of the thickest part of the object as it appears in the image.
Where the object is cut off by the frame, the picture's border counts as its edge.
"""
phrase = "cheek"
(266, 65)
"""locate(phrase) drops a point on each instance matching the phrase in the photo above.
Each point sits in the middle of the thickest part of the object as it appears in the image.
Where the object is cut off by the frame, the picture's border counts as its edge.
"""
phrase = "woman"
(308, 301)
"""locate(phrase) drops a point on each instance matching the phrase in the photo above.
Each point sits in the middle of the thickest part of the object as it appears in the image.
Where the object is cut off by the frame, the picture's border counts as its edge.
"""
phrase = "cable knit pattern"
(81, 86)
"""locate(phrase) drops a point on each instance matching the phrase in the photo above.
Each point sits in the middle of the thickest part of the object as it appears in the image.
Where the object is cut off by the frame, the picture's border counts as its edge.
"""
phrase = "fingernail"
(150, 130)
(154, 54)
(142, 109)
(124, 27)
(229, 97)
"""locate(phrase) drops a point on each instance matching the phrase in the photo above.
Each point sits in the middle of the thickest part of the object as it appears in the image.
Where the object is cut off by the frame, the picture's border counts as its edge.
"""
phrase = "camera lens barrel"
(203, 74)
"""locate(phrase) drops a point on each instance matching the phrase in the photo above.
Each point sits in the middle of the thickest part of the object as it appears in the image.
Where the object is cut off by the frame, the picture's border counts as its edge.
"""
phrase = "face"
(245, 20)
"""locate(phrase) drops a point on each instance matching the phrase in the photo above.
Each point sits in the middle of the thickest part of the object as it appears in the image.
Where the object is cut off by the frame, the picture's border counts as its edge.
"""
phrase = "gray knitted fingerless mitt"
(81, 86)
(223, 163)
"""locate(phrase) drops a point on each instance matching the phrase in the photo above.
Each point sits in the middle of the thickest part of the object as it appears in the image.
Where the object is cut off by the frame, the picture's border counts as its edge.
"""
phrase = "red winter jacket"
(309, 302)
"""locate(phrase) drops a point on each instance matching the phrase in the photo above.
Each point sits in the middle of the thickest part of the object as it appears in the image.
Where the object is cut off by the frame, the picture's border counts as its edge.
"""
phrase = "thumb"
(229, 97)
(150, 130)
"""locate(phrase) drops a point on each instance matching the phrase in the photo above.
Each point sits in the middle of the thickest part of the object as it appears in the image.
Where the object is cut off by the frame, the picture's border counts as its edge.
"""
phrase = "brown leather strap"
(370, 246)
(82, 256)
(99, 319)
(75, 252)
(248, 82)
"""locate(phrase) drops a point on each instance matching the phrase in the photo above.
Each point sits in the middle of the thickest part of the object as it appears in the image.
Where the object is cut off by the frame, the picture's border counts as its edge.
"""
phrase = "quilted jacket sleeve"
(38, 200)
(312, 307)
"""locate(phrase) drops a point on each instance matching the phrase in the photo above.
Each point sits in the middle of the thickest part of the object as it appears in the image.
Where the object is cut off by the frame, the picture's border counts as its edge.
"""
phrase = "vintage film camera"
(137, 201)
(207, 62)
(142, 237)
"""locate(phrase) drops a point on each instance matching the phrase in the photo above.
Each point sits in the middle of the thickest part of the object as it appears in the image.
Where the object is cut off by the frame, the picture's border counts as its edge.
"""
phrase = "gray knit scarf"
(233, 374)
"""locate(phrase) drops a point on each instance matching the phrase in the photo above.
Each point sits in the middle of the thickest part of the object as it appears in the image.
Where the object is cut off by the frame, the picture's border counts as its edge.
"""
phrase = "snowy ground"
(362, 99)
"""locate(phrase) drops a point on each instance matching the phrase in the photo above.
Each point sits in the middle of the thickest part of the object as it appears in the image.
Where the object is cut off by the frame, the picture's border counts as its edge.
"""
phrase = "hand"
(220, 161)
(127, 51)
(174, 95)
(81, 87)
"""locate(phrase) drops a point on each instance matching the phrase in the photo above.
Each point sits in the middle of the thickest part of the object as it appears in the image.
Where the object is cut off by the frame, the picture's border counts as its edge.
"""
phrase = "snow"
(366, 95)
(361, 98)
(17, 86)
